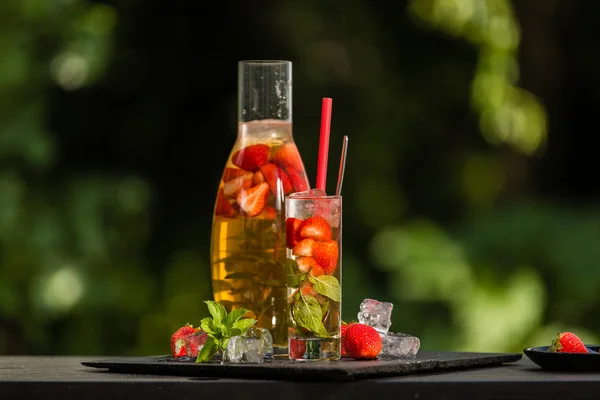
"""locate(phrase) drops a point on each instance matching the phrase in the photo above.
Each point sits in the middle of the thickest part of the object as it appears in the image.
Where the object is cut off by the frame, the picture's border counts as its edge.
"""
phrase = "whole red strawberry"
(567, 342)
(345, 327)
(361, 342)
(186, 341)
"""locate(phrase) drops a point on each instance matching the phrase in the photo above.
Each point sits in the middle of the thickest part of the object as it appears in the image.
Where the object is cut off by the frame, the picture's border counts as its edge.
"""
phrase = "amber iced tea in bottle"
(248, 244)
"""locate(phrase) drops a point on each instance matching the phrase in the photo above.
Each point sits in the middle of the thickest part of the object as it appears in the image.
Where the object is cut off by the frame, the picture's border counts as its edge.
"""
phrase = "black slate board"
(340, 370)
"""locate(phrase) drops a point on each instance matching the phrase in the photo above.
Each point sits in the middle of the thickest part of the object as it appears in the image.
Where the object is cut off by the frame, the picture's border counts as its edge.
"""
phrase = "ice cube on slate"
(244, 350)
(265, 335)
(377, 314)
(399, 345)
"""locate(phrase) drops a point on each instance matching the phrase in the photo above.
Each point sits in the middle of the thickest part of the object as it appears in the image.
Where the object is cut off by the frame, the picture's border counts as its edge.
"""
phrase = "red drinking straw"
(324, 143)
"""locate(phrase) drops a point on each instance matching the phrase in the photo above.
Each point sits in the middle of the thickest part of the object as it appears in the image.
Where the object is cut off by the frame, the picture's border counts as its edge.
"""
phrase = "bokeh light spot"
(63, 289)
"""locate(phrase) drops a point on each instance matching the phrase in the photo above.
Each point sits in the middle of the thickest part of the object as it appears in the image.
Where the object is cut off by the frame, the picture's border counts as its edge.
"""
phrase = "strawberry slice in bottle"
(288, 157)
(252, 200)
(272, 174)
(252, 157)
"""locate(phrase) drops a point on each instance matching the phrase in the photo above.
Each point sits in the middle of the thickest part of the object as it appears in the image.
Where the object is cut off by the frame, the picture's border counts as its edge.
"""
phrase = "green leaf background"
(469, 193)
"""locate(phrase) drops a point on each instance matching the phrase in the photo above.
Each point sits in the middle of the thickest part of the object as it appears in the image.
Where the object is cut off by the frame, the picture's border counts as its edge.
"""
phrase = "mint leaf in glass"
(327, 285)
(308, 314)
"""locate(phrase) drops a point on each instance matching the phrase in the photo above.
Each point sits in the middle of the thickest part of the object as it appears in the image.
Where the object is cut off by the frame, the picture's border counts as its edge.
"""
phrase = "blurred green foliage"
(69, 243)
(439, 217)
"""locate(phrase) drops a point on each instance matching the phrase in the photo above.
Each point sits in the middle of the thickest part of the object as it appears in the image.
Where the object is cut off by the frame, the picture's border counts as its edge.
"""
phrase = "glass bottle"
(248, 241)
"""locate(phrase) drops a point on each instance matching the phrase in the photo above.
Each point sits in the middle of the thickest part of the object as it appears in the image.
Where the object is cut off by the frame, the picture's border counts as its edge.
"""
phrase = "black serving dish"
(574, 362)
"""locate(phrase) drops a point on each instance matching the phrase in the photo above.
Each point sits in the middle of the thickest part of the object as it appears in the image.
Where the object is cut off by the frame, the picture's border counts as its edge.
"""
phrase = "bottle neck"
(264, 90)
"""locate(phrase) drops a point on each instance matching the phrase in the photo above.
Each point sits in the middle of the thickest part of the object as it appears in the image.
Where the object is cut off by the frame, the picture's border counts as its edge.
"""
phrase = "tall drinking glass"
(248, 231)
(314, 248)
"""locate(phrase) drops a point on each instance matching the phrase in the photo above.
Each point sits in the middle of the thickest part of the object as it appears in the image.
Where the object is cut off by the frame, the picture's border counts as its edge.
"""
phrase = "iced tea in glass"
(314, 275)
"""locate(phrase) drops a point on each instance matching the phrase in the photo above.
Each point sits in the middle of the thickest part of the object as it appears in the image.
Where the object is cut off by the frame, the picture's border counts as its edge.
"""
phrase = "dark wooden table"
(26, 377)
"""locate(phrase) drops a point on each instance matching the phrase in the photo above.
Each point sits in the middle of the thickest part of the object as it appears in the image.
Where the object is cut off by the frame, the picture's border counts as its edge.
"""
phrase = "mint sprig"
(220, 327)
(306, 311)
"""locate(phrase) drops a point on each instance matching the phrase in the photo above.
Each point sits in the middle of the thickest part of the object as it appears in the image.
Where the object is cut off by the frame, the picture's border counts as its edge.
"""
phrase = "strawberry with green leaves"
(186, 341)
(567, 342)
